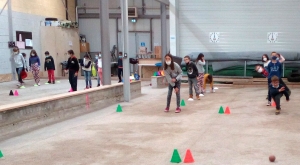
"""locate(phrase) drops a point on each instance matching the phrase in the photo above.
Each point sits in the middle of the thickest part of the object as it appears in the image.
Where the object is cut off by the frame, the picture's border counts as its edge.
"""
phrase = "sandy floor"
(145, 135)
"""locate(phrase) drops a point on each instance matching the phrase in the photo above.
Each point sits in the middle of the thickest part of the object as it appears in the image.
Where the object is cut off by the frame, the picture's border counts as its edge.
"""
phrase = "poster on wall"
(272, 37)
(24, 40)
(214, 37)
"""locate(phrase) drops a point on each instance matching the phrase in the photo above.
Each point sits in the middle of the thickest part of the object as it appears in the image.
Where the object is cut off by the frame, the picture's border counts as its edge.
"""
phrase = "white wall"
(5, 66)
(243, 25)
(91, 27)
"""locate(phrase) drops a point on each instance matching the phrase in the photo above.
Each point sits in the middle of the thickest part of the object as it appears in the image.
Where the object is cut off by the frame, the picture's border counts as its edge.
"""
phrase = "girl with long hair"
(173, 75)
(34, 64)
(200, 62)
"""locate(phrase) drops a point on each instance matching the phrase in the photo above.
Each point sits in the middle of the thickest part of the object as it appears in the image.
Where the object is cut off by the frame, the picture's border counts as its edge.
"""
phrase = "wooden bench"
(158, 81)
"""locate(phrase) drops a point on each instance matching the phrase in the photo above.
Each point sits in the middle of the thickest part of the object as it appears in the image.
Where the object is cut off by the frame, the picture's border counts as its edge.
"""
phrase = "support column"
(125, 40)
(105, 43)
(174, 27)
(163, 19)
(11, 36)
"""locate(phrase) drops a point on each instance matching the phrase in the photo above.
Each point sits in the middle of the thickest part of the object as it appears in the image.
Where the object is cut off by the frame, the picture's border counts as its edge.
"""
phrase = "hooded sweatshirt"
(200, 66)
(170, 74)
(192, 70)
(274, 69)
(19, 60)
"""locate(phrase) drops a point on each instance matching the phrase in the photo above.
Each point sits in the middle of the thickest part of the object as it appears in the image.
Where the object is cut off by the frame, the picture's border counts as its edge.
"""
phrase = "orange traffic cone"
(273, 104)
(188, 157)
(227, 110)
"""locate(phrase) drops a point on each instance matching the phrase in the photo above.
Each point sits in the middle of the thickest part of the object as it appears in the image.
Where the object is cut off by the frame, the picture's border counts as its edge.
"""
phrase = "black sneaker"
(98, 85)
(53, 82)
(49, 82)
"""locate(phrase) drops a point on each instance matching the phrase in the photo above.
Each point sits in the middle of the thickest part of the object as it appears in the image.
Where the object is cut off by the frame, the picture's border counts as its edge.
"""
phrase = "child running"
(276, 92)
(192, 73)
(173, 75)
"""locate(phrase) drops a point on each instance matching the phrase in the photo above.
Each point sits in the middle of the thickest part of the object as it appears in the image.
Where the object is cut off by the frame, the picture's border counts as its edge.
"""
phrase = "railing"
(245, 65)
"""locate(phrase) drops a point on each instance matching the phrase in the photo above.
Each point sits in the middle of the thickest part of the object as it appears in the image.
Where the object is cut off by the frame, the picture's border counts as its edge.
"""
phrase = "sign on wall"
(272, 37)
(24, 40)
(214, 37)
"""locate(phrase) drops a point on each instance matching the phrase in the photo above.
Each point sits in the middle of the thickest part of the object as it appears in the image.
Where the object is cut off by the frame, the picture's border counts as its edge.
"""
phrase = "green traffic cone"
(221, 110)
(154, 74)
(182, 103)
(175, 157)
(119, 108)
(1, 155)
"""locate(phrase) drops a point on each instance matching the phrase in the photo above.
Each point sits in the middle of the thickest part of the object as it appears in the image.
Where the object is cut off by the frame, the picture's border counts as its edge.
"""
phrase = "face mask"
(100, 55)
(47, 55)
(259, 70)
(32, 54)
(15, 53)
(277, 58)
(265, 59)
(274, 57)
(120, 57)
(96, 57)
(168, 62)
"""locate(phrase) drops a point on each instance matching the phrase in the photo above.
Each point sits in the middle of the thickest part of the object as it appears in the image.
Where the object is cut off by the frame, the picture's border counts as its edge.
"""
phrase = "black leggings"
(120, 72)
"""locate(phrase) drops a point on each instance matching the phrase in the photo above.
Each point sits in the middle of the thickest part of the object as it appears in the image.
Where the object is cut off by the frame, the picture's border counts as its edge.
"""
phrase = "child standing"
(120, 67)
(34, 64)
(173, 75)
(192, 73)
(276, 92)
(73, 68)
(99, 65)
(208, 79)
(87, 69)
(200, 62)
(50, 67)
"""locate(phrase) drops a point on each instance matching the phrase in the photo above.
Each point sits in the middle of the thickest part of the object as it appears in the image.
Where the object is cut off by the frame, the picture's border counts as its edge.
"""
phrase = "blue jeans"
(19, 70)
(87, 76)
(98, 78)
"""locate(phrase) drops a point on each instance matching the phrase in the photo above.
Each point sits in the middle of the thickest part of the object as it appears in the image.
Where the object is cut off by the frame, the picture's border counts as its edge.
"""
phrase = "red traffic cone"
(188, 157)
(227, 110)
(273, 104)
(16, 93)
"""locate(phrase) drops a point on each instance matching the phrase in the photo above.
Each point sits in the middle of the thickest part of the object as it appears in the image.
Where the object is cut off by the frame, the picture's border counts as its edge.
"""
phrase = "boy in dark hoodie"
(192, 73)
(276, 92)
(274, 68)
(50, 67)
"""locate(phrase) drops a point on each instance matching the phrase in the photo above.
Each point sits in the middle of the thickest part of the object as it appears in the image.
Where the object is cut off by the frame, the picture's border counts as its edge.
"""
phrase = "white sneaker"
(190, 99)
(213, 91)
(39, 84)
(201, 95)
(268, 104)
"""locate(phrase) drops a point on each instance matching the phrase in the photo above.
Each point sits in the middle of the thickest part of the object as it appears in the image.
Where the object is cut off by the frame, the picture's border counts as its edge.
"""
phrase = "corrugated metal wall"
(243, 25)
